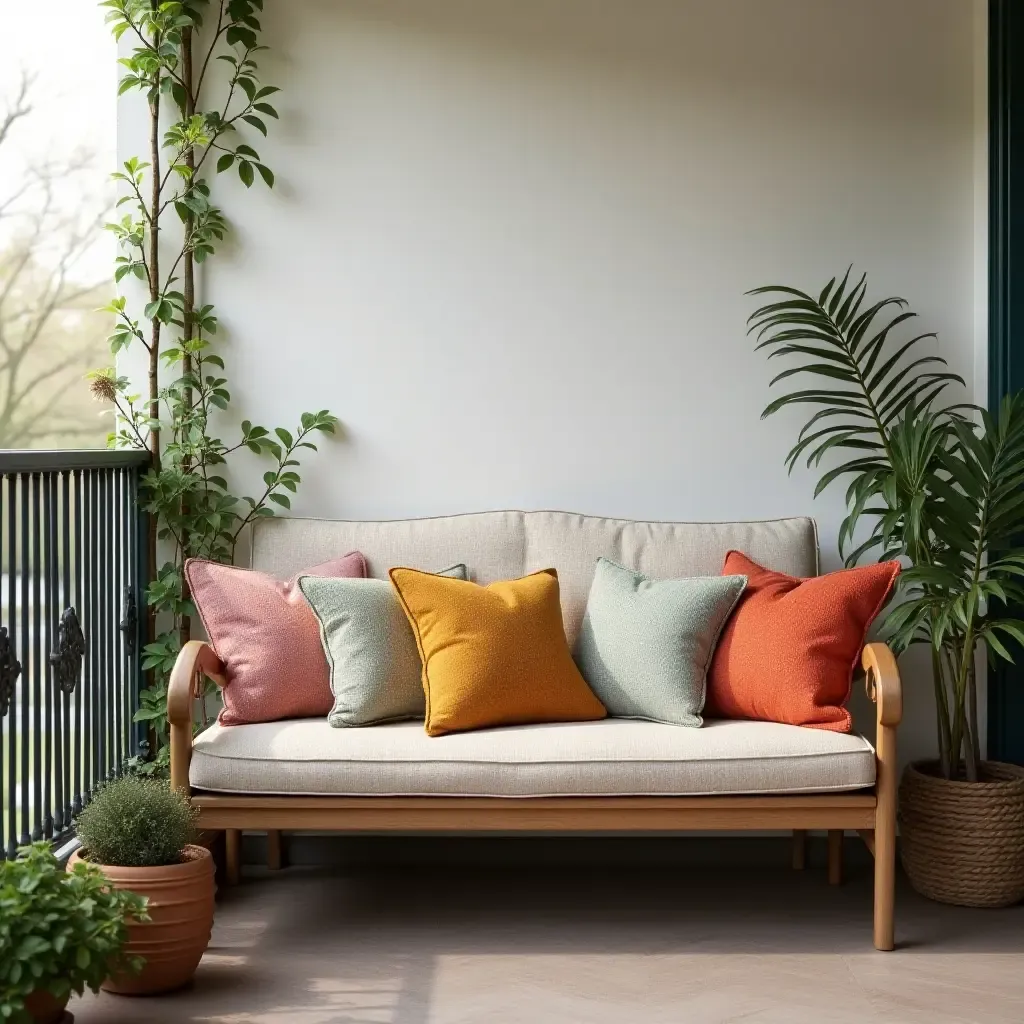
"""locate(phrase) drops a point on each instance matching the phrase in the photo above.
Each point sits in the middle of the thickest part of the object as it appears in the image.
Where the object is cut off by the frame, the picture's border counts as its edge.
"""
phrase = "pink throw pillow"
(268, 639)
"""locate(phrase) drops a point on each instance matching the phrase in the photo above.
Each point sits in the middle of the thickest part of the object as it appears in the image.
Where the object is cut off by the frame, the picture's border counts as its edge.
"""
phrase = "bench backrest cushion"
(510, 544)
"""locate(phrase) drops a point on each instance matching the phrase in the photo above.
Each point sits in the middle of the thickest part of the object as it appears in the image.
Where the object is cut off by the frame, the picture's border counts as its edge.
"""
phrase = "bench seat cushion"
(614, 757)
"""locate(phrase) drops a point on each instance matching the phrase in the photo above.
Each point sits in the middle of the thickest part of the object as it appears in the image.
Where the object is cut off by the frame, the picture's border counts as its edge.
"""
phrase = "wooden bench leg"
(799, 849)
(882, 680)
(885, 888)
(835, 856)
(233, 856)
(884, 847)
(275, 850)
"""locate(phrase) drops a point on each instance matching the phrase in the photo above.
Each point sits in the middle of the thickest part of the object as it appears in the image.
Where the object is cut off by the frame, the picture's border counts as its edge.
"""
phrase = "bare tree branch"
(49, 335)
(19, 107)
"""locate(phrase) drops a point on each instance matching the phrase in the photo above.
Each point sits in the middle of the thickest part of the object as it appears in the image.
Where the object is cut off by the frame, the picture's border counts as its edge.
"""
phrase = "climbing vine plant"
(195, 64)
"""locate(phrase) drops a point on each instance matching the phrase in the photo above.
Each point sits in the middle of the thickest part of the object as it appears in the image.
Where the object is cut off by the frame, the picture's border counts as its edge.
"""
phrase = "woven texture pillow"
(789, 651)
(494, 655)
(645, 645)
(268, 639)
(371, 651)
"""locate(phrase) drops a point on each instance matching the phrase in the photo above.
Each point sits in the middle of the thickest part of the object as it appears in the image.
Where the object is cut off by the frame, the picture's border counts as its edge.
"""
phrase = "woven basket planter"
(963, 842)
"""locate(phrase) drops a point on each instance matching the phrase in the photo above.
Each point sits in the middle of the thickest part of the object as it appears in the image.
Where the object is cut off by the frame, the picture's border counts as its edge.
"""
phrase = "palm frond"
(939, 485)
(860, 384)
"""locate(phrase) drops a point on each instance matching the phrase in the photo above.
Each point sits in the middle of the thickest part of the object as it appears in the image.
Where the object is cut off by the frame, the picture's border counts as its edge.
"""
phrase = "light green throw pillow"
(370, 647)
(645, 645)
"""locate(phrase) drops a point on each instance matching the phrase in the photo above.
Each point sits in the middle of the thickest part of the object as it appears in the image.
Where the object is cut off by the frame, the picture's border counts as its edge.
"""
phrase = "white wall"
(511, 238)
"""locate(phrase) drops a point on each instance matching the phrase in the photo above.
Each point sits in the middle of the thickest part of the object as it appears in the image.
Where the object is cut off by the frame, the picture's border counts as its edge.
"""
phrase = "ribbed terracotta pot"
(44, 1009)
(180, 907)
(963, 842)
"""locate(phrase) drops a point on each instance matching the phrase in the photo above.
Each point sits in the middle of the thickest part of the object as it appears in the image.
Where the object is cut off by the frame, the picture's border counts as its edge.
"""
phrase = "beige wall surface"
(510, 241)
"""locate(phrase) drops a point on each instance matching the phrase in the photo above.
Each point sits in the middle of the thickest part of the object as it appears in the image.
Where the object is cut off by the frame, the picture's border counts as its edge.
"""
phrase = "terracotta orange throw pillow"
(493, 655)
(789, 650)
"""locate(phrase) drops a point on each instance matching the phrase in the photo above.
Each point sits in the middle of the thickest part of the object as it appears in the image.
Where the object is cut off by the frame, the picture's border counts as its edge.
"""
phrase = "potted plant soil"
(937, 484)
(139, 833)
(60, 932)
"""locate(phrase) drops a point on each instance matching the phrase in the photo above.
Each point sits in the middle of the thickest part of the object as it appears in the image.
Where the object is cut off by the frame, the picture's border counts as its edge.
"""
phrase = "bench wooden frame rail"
(871, 813)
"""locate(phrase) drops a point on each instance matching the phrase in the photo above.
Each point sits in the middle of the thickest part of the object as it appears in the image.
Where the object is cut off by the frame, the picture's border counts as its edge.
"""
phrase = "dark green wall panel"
(1006, 300)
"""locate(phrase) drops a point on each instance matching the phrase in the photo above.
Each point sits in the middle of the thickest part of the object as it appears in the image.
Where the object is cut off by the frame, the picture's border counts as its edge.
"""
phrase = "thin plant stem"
(187, 320)
(191, 511)
(974, 744)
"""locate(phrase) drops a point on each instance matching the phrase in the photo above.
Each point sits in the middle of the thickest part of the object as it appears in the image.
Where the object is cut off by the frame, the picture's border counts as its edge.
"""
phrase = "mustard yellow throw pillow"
(493, 655)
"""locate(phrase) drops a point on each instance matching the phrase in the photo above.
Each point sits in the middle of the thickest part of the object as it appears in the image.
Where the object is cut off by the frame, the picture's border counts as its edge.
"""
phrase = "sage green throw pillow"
(370, 647)
(645, 645)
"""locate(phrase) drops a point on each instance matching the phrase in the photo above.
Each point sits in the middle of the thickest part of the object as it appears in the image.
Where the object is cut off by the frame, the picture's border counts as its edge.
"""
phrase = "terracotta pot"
(963, 842)
(173, 941)
(44, 1009)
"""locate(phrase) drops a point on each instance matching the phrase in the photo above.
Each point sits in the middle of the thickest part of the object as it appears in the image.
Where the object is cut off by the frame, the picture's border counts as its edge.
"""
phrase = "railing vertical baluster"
(116, 600)
(54, 606)
(26, 663)
(139, 575)
(92, 575)
(37, 663)
(128, 632)
(111, 599)
(107, 714)
(80, 721)
(46, 675)
(66, 602)
(121, 591)
(3, 709)
(72, 545)
(88, 576)
(53, 617)
(17, 651)
(103, 687)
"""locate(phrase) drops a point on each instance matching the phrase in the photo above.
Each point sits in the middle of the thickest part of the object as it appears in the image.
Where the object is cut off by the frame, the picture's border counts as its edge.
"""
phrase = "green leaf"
(225, 161)
(256, 122)
(245, 172)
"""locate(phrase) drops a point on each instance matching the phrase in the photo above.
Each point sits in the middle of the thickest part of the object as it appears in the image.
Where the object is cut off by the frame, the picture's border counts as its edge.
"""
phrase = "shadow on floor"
(317, 946)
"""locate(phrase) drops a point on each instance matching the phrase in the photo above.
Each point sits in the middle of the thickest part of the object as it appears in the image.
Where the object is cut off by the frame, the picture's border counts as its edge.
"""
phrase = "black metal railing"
(73, 546)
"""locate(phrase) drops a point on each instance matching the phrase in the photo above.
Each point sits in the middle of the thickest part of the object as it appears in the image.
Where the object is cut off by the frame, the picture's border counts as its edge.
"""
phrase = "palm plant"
(939, 486)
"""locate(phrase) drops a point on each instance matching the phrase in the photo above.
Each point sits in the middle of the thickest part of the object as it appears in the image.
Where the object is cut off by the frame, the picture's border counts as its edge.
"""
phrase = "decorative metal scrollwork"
(10, 669)
(129, 623)
(67, 659)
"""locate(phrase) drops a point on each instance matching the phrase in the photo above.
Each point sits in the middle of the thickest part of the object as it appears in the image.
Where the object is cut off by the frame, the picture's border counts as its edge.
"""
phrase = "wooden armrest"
(195, 660)
(883, 684)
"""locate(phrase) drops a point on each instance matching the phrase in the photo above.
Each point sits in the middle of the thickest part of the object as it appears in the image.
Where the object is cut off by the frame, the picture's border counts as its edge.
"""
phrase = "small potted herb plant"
(140, 834)
(59, 933)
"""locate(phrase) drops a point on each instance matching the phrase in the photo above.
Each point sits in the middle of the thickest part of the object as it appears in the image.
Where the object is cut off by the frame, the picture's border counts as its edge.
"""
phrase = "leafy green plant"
(171, 225)
(137, 823)
(939, 486)
(59, 932)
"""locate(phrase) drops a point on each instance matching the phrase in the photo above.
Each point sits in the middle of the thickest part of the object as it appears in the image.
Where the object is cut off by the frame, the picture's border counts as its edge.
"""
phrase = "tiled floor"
(612, 945)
